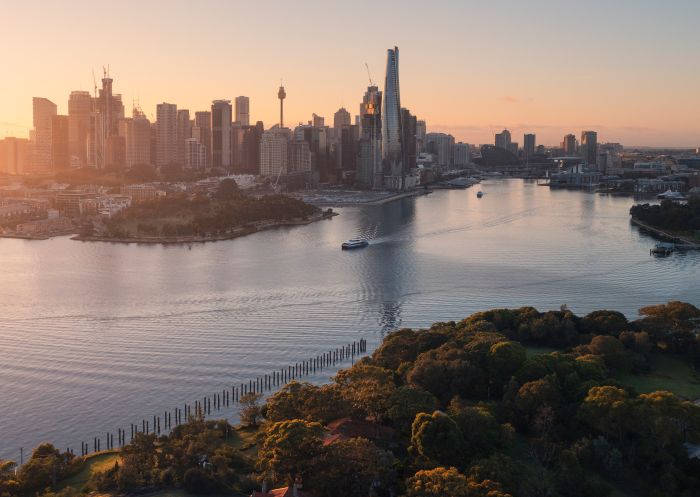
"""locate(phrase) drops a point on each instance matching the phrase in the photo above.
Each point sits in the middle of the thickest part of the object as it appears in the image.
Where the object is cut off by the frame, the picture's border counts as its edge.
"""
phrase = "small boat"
(671, 195)
(479, 194)
(354, 244)
(663, 249)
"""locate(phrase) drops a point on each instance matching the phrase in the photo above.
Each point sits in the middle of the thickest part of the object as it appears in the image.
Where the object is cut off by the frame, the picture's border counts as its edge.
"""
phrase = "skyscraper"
(137, 137)
(462, 155)
(221, 134)
(529, 146)
(341, 118)
(243, 111)
(370, 171)
(589, 147)
(166, 134)
(442, 146)
(318, 121)
(60, 157)
(421, 131)
(392, 151)
(80, 107)
(202, 131)
(44, 110)
(273, 151)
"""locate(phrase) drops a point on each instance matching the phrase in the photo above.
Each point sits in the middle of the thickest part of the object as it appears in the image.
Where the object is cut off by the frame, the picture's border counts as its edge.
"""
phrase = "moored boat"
(354, 244)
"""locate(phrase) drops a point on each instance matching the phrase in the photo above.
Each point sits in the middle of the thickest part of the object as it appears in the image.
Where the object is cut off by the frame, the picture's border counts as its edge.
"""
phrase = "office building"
(136, 132)
(441, 145)
(221, 134)
(318, 121)
(195, 155)
(60, 156)
(166, 134)
(80, 109)
(341, 118)
(243, 111)
(14, 155)
(370, 171)
(421, 131)
(299, 156)
(184, 132)
(202, 131)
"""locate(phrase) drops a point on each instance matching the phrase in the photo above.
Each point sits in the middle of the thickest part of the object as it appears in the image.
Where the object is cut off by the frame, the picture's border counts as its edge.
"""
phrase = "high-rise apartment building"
(462, 155)
(221, 134)
(408, 144)
(442, 146)
(589, 147)
(195, 155)
(243, 111)
(421, 131)
(318, 121)
(166, 134)
(80, 109)
(568, 144)
(202, 131)
(299, 156)
(392, 150)
(43, 112)
(503, 140)
(274, 156)
(529, 146)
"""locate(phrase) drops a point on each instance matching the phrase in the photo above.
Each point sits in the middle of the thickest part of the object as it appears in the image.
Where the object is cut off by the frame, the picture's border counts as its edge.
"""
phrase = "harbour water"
(95, 336)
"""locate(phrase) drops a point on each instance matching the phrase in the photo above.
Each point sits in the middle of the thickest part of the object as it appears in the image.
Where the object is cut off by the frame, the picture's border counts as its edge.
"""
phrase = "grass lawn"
(93, 464)
(667, 373)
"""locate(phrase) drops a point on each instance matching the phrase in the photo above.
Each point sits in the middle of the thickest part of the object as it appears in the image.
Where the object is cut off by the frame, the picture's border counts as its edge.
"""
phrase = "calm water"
(95, 336)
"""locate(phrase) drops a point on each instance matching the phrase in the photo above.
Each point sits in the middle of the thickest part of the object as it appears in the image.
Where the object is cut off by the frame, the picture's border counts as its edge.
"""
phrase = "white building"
(273, 151)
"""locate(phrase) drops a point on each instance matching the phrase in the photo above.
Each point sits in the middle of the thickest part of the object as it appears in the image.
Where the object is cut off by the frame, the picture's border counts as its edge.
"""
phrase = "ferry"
(354, 244)
(663, 249)
(671, 195)
(480, 194)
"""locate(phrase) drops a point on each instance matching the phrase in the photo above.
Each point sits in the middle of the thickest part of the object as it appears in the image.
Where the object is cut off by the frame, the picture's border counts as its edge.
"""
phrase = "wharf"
(682, 243)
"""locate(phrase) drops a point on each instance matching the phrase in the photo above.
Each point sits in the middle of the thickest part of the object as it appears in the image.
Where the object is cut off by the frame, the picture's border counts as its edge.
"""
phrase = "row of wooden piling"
(226, 398)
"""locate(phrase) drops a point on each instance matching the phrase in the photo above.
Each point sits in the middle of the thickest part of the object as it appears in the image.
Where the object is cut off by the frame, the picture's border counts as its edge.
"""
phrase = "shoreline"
(231, 235)
(380, 201)
(686, 243)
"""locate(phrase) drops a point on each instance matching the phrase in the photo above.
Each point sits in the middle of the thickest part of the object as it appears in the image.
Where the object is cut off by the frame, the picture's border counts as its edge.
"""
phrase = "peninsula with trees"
(224, 214)
(504, 403)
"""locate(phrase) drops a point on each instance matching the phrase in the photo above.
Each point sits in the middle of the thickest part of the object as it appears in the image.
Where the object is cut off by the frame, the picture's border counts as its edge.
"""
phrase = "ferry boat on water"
(480, 194)
(663, 249)
(354, 244)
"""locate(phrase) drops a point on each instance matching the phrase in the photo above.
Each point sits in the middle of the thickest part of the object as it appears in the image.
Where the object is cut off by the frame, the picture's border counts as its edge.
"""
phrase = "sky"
(629, 69)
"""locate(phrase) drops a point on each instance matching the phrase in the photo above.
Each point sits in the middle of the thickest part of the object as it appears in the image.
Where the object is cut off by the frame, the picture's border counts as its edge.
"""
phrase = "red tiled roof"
(281, 492)
(344, 428)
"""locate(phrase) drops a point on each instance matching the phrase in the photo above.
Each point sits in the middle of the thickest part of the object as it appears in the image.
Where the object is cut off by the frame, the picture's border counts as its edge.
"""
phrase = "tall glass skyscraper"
(392, 151)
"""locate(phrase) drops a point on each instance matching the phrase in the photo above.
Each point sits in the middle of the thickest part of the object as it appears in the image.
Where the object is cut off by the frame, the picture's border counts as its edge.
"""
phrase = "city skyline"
(634, 89)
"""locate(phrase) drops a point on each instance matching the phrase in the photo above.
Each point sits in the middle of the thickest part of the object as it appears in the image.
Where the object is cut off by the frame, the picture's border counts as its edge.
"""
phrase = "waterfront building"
(392, 150)
(503, 140)
(568, 145)
(370, 170)
(462, 155)
(166, 134)
(43, 112)
(184, 132)
(221, 134)
(529, 146)
(340, 119)
(273, 151)
(441, 145)
(589, 147)
(80, 109)
(243, 111)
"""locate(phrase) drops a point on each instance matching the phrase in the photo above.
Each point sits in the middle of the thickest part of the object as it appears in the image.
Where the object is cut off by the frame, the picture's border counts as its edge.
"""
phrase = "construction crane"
(371, 83)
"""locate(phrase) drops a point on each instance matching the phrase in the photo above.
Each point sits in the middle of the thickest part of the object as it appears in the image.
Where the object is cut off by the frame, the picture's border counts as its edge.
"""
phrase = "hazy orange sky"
(629, 69)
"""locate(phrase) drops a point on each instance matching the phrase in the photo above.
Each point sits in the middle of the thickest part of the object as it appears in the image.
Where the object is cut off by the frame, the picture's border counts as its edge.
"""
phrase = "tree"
(306, 401)
(228, 190)
(437, 437)
(367, 388)
(607, 409)
(534, 394)
(198, 482)
(288, 450)
(405, 403)
(350, 468)
(9, 484)
(611, 350)
(438, 482)
(251, 411)
(504, 359)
